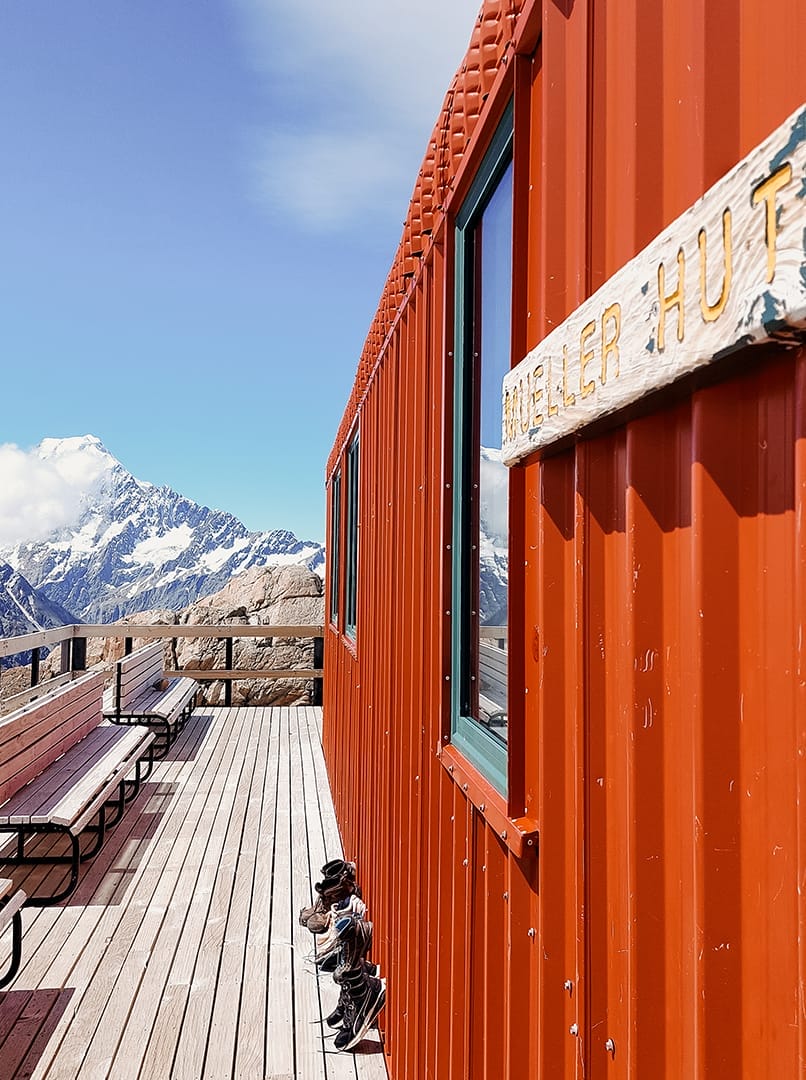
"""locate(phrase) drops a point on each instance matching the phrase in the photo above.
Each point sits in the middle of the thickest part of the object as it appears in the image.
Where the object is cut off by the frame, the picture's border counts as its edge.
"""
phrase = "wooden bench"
(61, 768)
(492, 685)
(140, 694)
(11, 915)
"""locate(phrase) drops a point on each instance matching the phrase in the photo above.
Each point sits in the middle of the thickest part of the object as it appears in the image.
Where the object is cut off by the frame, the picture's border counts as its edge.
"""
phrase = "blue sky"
(199, 203)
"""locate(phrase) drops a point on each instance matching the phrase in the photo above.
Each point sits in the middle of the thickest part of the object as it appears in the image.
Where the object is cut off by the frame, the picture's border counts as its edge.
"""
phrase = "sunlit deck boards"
(180, 954)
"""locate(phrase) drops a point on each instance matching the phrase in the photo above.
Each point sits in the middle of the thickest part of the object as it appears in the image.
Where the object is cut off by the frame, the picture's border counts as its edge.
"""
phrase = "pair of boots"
(362, 993)
(337, 884)
(338, 913)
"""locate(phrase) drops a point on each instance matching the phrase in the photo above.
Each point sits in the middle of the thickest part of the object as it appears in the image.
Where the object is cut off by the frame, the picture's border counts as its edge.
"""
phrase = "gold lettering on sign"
(766, 192)
(523, 399)
(537, 394)
(568, 398)
(585, 357)
(674, 299)
(610, 345)
(711, 312)
(553, 409)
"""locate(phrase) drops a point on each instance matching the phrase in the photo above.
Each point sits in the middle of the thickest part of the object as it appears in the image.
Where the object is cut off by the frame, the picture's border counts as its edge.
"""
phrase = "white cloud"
(355, 91)
(39, 495)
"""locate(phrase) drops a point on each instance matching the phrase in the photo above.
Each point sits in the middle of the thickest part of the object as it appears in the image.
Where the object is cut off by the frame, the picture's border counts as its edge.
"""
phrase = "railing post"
(35, 655)
(67, 653)
(318, 662)
(78, 659)
(228, 666)
(128, 643)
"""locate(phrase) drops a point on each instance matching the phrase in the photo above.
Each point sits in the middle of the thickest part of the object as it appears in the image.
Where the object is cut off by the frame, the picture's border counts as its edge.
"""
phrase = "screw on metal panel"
(569, 986)
(530, 843)
(531, 931)
(447, 678)
(506, 896)
(464, 862)
(464, 787)
(482, 807)
(610, 1047)
(504, 834)
(574, 1029)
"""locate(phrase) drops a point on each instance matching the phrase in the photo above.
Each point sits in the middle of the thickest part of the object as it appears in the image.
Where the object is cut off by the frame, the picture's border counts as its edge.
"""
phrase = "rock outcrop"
(262, 596)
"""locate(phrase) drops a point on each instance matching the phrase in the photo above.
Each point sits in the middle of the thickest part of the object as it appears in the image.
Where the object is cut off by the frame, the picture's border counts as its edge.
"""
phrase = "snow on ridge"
(218, 557)
(157, 550)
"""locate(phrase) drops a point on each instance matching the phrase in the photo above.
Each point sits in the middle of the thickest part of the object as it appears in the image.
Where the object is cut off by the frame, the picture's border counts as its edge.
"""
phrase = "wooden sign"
(728, 273)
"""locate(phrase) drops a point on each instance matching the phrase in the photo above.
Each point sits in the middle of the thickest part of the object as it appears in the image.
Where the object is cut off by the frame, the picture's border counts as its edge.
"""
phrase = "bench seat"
(62, 768)
(139, 694)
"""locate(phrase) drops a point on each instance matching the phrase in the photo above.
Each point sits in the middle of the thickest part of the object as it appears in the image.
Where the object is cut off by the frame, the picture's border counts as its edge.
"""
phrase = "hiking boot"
(353, 908)
(337, 868)
(356, 946)
(336, 1018)
(331, 891)
(365, 998)
(340, 931)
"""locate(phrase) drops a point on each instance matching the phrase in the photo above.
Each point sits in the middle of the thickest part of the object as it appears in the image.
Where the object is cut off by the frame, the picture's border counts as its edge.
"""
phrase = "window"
(481, 481)
(351, 541)
(335, 528)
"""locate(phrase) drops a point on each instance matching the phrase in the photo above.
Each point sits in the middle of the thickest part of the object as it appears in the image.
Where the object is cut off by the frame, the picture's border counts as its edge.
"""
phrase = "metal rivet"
(506, 896)
(531, 931)
(610, 1047)
(483, 869)
(464, 787)
(464, 862)
(574, 1029)
(482, 807)
(569, 986)
(504, 834)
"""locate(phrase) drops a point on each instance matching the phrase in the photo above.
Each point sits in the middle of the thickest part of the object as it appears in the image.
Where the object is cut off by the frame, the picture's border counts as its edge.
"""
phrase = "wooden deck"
(180, 954)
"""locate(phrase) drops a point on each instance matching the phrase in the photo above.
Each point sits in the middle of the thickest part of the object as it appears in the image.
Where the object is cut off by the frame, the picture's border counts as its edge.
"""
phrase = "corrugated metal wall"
(657, 619)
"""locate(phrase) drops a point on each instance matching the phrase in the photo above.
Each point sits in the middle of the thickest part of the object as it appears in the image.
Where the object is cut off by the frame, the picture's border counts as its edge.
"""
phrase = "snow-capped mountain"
(493, 538)
(24, 611)
(133, 545)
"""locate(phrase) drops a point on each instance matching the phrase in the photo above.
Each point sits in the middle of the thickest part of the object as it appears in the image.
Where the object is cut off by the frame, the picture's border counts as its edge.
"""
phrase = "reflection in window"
(351, 541)
(479, 724)
(335, 527)
(489, 492)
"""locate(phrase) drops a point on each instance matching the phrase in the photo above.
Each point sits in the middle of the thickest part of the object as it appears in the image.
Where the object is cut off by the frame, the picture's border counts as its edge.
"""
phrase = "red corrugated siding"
(658, 621)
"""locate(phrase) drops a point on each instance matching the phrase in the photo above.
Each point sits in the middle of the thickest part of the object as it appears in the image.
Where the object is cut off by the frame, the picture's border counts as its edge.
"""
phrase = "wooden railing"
(73, 642)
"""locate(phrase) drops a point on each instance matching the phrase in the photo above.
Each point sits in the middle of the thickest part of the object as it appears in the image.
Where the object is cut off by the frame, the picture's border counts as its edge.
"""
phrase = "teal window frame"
(335, 547)
(487, 753)
(351, 540)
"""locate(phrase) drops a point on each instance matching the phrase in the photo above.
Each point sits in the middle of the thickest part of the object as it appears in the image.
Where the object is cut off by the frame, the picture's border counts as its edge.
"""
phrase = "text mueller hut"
(565, 713)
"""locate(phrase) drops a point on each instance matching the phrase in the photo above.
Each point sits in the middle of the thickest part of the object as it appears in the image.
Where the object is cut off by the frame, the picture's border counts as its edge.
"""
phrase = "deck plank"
(180, 953)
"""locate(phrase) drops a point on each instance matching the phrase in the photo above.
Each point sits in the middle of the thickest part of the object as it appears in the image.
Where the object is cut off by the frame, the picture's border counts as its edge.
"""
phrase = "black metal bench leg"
(100, 831)
(117, 806)
(16, 949)
(75, 859)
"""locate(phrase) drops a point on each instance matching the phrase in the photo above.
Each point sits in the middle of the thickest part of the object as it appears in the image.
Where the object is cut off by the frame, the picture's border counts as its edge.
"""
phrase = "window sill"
(519, 834)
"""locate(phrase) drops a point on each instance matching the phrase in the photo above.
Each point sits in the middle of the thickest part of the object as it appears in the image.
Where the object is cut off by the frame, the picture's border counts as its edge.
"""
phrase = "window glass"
(481, 481)
(334, 560)
(351, 541)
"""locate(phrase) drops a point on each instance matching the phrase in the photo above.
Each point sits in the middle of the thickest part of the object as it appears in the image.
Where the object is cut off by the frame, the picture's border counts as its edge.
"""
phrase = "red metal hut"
(566, 663)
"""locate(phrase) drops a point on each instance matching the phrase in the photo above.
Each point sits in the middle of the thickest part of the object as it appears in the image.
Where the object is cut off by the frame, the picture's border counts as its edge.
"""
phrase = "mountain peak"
(124, 545)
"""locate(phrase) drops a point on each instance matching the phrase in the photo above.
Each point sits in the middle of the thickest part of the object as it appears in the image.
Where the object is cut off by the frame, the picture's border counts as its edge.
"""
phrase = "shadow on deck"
(180, 954)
